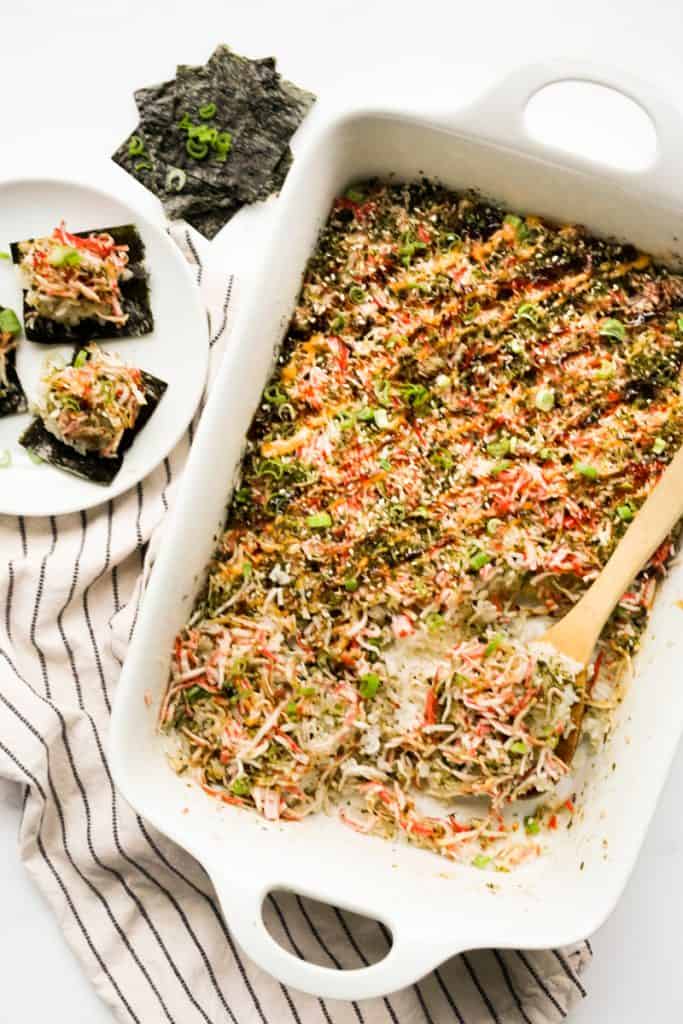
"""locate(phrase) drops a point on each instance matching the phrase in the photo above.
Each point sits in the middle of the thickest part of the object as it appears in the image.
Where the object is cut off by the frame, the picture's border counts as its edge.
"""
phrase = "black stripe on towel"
(539, 981)
(485, 999)
(510, 987)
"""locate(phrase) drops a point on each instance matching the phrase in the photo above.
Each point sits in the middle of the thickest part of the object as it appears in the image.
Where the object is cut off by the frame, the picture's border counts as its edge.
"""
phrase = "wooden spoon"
(576, 635)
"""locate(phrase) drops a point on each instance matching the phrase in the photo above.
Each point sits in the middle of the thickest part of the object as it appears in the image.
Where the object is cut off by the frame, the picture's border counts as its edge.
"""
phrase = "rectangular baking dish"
(433, 908)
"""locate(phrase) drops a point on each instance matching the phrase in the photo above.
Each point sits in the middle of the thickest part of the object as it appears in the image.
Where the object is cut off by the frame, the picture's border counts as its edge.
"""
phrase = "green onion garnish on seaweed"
(135, 146)
(227, 124)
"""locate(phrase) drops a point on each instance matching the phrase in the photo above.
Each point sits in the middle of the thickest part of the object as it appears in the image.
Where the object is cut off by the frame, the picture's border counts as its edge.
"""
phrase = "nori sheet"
(260, 110)
(12, 397)
(135, 299)
(95, 468)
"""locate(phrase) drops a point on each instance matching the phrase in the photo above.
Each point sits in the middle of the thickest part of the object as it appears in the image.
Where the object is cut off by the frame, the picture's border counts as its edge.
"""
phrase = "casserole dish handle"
(499, 117)
(408, 960)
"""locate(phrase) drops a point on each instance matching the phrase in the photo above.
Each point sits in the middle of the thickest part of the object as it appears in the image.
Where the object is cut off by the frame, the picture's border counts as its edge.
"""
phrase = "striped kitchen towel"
(137, 911)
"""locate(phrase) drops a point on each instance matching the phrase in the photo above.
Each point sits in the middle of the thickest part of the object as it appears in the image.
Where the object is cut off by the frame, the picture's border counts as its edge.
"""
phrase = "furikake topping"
(468, 410)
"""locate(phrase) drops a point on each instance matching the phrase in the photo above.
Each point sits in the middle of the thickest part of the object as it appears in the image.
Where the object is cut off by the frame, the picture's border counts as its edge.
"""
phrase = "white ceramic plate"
(176, 351)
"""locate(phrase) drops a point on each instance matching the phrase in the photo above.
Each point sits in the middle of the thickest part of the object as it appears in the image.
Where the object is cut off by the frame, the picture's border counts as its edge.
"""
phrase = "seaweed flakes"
(260, 110)
(94, 468)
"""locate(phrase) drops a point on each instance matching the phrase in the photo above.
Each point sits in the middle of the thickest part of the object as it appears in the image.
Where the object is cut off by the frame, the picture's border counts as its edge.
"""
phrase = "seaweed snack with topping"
(90, 413)
(83, 285)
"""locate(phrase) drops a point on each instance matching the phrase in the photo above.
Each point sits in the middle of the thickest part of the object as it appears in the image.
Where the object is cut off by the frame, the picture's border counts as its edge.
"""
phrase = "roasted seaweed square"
(95, 468)
(135, 299)
(257, 108)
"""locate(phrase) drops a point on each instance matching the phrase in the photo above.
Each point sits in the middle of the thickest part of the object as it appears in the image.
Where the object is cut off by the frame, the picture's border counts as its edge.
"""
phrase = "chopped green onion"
(385, 465)
(247, 570)
(531, 826)
(275, 394)
(606, 371)
(351, 584)
(64, 256)
(518, 747)
(625, 513)
(135, 146)
(319, 520)
(481, 861)
(194, 693)
(355, 195)
(443, 459)
(590, 472)
(175, 179)
(381, 419)
(8, 322)
(207, 111)
(357, 294)
(499, 448)
(338, 323)
(291, 710)
(241, 786)
(500, 466)
(5, 458)
(545, 399)
(197, 150)
(679, 323)
(34, 457)
(659, 446)
(203, 133)
(369, 685)
(611, 328)
(527, 311)
(493, 645)
(185, 122)
(308, 691)
(143, 165)
(512, 219)
(81, 359)
(479, 560)
(5, 256)
(435, 621)
(493, 525)
(222, 145)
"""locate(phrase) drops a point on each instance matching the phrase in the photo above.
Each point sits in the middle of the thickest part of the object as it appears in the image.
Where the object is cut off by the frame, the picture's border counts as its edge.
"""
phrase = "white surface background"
(68, 71)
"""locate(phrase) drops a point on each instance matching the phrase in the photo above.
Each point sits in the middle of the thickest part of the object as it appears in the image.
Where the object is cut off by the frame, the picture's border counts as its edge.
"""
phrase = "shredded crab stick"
(92, 402)
(69, 278)
(467, 412)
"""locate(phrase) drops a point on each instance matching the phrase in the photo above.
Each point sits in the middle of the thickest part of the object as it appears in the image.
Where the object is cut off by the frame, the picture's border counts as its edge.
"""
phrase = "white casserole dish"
(433, 908)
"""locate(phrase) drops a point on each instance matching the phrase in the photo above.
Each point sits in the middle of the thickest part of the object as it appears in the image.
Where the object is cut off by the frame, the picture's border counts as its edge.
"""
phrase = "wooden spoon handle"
(577, 633)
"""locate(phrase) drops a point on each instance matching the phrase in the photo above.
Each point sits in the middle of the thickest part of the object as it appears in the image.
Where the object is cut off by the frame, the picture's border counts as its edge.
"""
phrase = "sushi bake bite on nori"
(215, 137)
(12, 397)
(83, 285)
(90, 413)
